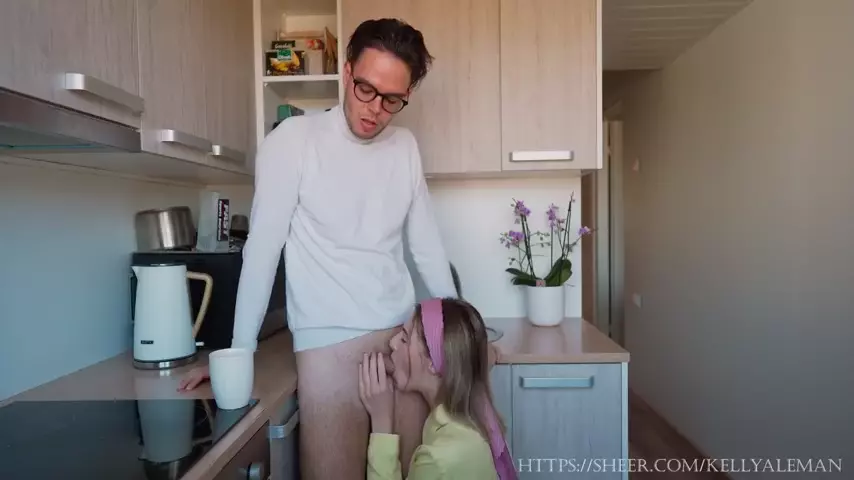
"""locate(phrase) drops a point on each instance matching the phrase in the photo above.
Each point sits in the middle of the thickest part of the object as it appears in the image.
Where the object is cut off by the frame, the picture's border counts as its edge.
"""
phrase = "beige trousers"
(334, 426)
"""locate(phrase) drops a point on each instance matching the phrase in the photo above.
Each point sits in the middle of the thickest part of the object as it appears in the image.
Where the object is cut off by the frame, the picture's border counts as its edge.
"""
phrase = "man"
(340, 187)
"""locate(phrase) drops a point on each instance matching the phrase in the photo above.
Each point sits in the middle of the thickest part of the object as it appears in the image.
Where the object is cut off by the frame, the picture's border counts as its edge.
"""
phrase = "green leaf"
(560, 273)
(522, 278)
(518, 273)
(531, 282)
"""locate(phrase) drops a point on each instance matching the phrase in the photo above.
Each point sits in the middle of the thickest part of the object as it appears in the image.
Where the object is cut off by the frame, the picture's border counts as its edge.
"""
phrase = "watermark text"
(671, 465)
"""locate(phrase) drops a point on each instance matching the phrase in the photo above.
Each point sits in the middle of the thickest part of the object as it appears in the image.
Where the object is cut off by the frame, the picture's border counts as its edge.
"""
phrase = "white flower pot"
(545, 305)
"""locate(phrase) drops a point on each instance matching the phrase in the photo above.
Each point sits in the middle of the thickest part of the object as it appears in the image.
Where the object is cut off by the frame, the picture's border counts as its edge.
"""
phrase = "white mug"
(232, 373)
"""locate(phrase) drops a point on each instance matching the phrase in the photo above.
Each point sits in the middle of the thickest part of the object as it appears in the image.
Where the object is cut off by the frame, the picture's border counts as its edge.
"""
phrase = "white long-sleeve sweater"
(341, 204)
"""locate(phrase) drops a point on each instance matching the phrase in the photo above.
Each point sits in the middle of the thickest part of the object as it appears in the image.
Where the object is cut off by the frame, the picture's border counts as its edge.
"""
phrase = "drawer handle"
(255, 471)
(538, 382)
(282, 431)
(185, 139)
(79, 82)
(542, 156)
(220, 151)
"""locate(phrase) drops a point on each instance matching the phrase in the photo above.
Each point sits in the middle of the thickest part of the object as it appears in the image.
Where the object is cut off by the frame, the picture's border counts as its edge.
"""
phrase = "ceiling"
(649, 34)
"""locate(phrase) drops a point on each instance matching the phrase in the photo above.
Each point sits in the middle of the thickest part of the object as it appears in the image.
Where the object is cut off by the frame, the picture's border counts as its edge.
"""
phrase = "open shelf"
(310, 87)
(317, 89)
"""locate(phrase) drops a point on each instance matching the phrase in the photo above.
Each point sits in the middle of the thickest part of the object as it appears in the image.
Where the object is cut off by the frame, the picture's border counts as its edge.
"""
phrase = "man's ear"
(348, 71)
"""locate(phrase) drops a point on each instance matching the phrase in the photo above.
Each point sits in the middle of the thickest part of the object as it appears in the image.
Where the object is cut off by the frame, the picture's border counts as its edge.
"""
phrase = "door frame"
(605, 308)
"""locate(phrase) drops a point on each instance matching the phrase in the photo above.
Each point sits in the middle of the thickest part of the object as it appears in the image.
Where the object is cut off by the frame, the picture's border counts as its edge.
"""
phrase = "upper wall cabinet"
(81, 54)
(515, 84)
(176, 73)
(229, 92)
(196, 79)
(455, 113)
(551, 100)
(173, 60)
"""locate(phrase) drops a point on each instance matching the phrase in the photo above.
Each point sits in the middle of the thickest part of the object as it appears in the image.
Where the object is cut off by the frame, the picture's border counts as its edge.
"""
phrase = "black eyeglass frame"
(376, 93)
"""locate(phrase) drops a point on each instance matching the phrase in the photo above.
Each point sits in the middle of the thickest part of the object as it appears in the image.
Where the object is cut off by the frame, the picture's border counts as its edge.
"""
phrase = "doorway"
(603, 252)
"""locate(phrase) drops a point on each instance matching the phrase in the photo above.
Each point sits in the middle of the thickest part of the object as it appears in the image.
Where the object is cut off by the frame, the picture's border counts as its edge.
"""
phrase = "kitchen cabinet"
(515, 84)
(574, 412)
(173, 61)
(455, 112)
(551, 100)
(196, 104)
(568, 411)
(252, 462)
(81, 54)
(228, 77)
(284, 442)
(501, 384)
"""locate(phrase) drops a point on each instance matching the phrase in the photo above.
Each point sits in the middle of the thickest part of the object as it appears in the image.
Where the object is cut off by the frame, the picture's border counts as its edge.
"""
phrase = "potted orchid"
(545, 294)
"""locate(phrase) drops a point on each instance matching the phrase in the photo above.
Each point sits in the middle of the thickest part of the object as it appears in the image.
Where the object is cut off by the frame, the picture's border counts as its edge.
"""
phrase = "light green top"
(449, 450)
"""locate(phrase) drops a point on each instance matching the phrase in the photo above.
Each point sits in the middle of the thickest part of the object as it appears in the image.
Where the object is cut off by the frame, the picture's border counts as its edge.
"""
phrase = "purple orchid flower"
(520, 209)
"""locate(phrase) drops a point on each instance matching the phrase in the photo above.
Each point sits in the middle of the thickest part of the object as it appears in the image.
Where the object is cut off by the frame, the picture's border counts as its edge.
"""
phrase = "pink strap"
(433, 323)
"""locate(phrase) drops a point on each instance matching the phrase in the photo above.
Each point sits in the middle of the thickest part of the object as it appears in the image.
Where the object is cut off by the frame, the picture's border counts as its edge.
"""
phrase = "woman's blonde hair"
(465, 376)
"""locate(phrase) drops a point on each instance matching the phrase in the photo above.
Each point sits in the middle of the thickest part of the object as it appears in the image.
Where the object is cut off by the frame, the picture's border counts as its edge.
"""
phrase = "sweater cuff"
(384, 448)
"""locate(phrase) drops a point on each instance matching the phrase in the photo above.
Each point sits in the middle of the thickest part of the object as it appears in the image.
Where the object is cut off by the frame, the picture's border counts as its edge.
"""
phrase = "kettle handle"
(206, 298)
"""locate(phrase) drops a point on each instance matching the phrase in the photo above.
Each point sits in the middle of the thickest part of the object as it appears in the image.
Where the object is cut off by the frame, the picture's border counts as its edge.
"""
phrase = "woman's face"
(410, 358)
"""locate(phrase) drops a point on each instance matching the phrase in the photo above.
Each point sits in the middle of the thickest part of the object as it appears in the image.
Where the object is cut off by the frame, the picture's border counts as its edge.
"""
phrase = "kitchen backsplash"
(471, 215)
(64, 296)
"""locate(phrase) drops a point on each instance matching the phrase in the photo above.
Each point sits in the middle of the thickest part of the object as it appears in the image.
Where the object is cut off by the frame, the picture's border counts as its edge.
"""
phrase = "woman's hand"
(376, 392)
(194, 377)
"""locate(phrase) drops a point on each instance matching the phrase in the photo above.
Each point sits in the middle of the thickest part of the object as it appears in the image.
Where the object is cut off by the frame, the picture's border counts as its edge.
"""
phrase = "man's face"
(375, 72)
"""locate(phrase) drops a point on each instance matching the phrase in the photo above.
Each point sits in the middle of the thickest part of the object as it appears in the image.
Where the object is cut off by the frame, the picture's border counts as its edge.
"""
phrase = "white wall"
(471, 215)
(65, 240)
(739, 235)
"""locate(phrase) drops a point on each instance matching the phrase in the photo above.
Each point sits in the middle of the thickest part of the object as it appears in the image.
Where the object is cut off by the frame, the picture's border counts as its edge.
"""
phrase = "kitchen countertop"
(117, 379)
(573, 341)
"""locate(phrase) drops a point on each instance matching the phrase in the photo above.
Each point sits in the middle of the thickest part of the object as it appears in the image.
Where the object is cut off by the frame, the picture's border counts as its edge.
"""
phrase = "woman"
(443, 354)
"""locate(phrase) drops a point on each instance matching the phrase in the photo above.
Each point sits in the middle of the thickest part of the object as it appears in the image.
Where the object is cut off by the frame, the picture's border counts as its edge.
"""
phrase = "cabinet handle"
(185, 139)
(282, 431)
(228, 153)
(542, 155)
(255, 471)
(551, 382)
(79, 82)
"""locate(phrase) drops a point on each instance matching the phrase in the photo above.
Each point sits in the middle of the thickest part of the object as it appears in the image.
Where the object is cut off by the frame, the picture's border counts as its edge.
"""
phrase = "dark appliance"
(218, 326)
(109, 439)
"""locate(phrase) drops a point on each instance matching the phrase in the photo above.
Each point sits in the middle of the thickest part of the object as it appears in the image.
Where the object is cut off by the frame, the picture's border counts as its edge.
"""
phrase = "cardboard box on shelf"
(285, 61)
(320, 50)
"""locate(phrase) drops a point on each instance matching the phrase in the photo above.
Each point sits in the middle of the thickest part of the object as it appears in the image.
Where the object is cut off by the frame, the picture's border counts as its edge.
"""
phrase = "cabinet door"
(173, 58)
(455, 113)
(252, 462)
(228, 87)
(551, 100)
(284, 448)
(284, 442)
(81, 54)
(569, 412)
(502, 396)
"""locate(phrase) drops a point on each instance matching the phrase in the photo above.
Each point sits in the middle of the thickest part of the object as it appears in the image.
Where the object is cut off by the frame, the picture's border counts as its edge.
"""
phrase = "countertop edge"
(573, 341)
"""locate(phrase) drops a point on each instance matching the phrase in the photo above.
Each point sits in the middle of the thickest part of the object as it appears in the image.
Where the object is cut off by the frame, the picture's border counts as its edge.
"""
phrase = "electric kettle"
(164, 333)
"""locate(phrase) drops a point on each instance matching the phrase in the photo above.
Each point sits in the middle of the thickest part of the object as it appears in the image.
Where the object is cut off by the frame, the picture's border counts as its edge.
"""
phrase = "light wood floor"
(652, 438)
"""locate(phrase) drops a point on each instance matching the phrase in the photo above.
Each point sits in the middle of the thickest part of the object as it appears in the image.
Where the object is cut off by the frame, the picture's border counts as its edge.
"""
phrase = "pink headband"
(433, 323)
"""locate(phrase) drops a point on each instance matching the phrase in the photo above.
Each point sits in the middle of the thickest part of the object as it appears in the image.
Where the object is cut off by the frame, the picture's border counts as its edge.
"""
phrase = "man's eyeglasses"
(366, 93)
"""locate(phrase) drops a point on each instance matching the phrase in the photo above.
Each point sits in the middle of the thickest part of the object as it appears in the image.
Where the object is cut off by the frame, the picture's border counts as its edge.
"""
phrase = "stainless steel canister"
(165, 229)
